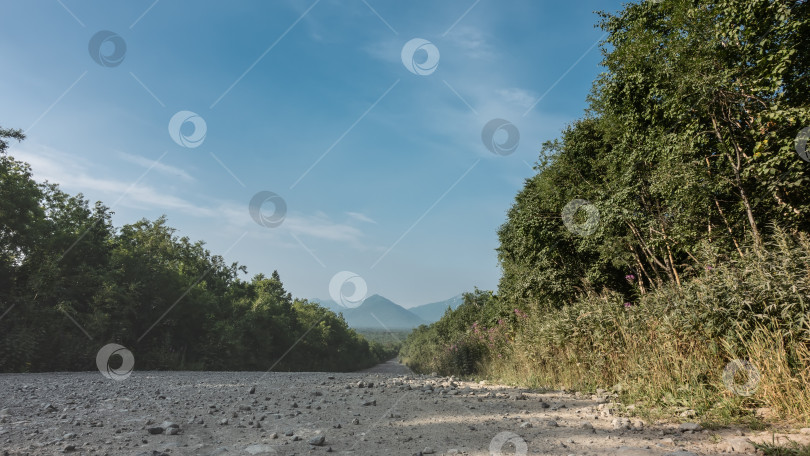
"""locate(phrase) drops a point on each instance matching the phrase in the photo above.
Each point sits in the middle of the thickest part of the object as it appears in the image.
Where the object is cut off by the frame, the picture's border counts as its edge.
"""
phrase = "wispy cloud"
(471, 41)
(321, 228)
(160, 167)
(76, 174)
(361, 217)
(519, 97)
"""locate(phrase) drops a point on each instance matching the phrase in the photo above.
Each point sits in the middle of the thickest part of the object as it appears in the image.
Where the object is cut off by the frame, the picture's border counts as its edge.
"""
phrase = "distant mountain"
(376, 312)
(329, 304)
(434, 311)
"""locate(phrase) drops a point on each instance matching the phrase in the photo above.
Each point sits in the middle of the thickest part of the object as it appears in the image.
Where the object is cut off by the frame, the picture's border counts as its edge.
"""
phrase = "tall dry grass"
(668, 350)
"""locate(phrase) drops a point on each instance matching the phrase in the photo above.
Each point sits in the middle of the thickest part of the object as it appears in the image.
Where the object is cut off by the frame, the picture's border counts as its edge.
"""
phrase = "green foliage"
(700, 253)
(167, 299)
(690, 135)
(790, 449)
(461, 340)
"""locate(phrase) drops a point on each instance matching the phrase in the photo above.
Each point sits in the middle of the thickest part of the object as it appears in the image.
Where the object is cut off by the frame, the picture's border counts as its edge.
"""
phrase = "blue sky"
(383, 171)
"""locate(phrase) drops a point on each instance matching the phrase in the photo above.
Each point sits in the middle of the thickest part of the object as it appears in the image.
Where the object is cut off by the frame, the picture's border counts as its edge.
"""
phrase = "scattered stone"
(620, 423)
(317, 440)
(689, 413)
(695, 427)
(736, 445)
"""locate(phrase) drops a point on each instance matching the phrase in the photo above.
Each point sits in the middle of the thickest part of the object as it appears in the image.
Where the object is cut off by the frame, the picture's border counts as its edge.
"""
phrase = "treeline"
(665, 232)
(167, 299)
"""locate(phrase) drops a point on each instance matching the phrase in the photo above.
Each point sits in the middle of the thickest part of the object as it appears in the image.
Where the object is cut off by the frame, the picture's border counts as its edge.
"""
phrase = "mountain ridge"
(379, 312)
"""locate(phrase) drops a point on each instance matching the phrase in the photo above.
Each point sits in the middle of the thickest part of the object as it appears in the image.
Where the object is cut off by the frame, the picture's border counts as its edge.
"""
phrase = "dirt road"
(383, 411)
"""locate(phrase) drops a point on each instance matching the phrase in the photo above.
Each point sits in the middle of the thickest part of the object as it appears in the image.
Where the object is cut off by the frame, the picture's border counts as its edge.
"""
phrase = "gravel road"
(382, 411)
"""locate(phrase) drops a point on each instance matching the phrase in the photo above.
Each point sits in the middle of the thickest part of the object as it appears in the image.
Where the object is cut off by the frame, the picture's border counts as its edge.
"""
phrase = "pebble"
(684, 427)
(317, 440)
(736, 445)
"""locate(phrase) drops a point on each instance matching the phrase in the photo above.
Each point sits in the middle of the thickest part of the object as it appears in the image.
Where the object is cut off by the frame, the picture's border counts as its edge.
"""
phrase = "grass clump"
(732, 343)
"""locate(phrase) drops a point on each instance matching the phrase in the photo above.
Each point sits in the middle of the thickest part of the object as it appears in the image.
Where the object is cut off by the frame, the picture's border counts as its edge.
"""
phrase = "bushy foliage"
(461, 340)
(671, 346)
(698, 255)
(169, 300)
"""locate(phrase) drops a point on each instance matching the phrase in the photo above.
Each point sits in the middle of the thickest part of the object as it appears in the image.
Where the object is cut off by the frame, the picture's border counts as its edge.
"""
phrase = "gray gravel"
(385, 411)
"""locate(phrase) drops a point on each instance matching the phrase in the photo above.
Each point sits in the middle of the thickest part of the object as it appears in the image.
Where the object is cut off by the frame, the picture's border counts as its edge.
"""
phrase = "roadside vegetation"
(682, 279)
(167, 299)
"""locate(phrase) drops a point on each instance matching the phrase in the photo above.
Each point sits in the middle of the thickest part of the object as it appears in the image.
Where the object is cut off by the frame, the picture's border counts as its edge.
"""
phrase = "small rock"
(690, 427)
(737, 445)
(620, 423)
(317, 440)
